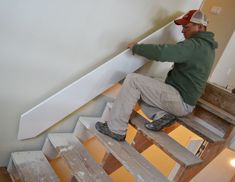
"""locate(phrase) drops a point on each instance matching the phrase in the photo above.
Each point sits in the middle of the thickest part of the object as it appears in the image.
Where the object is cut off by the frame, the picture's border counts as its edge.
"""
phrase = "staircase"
(212, 120)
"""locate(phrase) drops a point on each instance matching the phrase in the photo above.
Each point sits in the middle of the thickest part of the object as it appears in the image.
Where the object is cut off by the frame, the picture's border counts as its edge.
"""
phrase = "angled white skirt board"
(69, 99)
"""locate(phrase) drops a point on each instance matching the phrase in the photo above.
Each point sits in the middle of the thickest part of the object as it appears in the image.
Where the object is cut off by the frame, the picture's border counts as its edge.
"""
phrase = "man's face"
(190, 29)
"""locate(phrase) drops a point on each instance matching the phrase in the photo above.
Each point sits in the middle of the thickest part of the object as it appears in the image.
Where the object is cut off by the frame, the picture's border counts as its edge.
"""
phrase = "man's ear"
(201, 28)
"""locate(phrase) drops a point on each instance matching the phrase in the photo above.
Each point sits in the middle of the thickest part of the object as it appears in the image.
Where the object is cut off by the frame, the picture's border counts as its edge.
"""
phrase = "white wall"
(47, 44)
(222, 24)
(224, 73)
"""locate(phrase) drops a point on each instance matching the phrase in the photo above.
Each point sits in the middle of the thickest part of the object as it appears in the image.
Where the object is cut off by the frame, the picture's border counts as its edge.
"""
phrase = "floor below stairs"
(153, 154)
(4, 176)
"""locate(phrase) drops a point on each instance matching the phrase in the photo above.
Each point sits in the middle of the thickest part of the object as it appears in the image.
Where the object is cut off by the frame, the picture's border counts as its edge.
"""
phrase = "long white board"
(80, 92)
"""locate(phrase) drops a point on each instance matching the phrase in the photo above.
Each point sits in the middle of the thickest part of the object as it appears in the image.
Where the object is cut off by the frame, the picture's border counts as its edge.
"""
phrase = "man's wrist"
(134, 49)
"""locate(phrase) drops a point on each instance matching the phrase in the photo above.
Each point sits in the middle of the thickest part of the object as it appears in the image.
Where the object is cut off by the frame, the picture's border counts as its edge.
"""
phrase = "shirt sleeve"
(177, 53)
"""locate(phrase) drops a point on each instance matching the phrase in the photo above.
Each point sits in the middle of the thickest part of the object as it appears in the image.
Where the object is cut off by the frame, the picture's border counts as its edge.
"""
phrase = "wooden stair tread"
(191, 122)
(133, 161)
(82, 165)
(166, 143)
(217, 111)
(33, 166)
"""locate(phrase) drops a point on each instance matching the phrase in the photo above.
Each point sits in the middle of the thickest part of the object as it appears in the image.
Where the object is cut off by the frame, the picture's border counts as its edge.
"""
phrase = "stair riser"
(49, 151)
(12, 170)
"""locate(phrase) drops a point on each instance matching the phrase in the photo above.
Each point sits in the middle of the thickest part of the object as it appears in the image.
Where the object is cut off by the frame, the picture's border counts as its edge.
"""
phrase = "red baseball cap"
(194, 16)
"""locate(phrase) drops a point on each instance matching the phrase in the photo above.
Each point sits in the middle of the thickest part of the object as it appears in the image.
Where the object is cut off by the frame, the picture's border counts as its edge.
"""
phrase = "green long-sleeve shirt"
(193, 59)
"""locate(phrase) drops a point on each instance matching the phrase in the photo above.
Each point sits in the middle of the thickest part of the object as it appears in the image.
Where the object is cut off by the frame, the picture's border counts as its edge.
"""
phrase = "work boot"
(164, 121)
(103, 128)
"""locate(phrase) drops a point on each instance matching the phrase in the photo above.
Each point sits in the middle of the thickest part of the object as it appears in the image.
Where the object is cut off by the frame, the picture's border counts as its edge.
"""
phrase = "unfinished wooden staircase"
(213, 120)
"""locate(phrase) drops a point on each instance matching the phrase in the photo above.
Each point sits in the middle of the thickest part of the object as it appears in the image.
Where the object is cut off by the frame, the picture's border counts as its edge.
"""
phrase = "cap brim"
(181, 21)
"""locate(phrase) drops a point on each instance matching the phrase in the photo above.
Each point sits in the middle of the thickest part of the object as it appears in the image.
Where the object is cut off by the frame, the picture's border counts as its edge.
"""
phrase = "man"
(177, 96)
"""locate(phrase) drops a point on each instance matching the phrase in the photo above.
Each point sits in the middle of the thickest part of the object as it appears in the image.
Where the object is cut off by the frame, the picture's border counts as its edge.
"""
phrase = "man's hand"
(131, 45)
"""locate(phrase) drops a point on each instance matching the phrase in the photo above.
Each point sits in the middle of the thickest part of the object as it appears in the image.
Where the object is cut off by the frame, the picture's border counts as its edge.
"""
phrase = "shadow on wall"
(160, 20)
(160, 69)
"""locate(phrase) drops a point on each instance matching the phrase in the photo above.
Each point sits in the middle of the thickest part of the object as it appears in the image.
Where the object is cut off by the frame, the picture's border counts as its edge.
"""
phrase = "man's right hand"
(131, 45)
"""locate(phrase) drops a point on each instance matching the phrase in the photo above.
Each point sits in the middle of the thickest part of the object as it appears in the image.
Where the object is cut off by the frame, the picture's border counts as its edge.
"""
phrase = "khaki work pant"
(156, 99)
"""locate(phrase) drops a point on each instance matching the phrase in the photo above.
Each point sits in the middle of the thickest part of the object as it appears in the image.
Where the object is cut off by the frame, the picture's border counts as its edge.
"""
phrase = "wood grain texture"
(33, 166)
(223, 100)
(193, 124)
(217, 111)
(140, 143)
(4, 175)
(220, 98)
(166, 143)
(81, 164)
(110, 163)
(212, 119)
(210, 152)
(134, 162)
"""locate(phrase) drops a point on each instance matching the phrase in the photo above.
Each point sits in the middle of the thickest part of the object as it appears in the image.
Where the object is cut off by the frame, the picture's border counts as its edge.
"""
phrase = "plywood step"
(166, 143)
(133, 161)
(192, 123)
(32, 166)
(217, 111)
(81, 164)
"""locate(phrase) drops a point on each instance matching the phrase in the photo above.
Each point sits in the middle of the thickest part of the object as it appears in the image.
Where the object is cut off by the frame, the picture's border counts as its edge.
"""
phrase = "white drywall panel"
(224, 73)
(58, 106)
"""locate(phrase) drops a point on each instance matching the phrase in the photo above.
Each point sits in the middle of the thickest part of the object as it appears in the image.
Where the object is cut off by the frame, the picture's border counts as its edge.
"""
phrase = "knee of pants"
(130, 80)
(131, 76)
